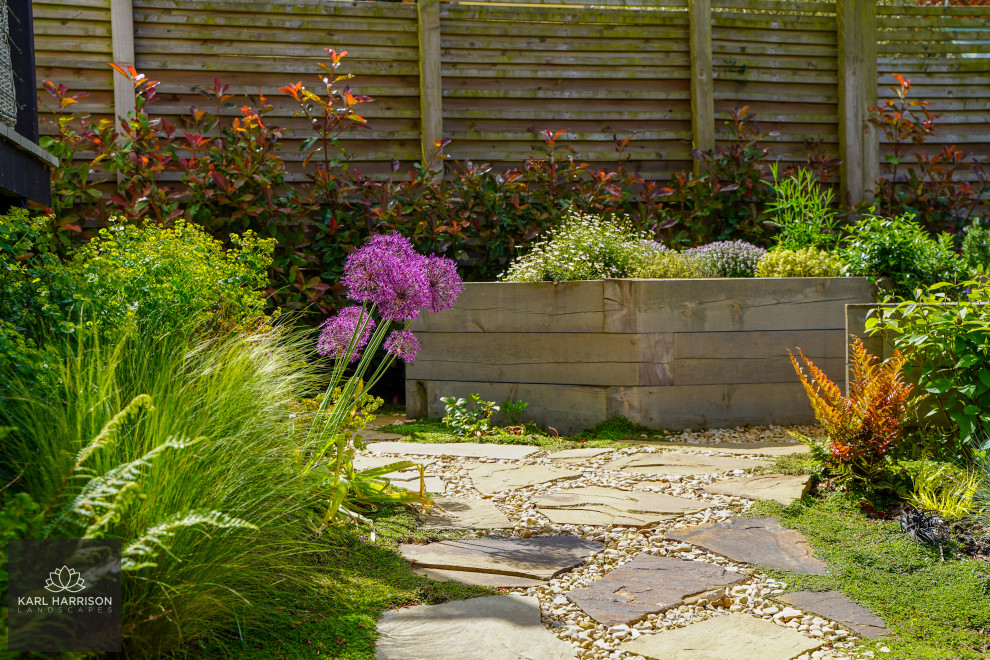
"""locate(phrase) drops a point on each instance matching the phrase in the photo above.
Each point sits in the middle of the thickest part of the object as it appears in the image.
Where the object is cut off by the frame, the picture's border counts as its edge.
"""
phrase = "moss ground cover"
(937, 607)
(433, 430)
(351, 583)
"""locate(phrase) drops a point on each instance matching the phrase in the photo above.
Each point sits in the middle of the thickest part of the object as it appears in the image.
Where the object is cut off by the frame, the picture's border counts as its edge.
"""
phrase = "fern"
(863, 427)
(141, 553)
(108, 435)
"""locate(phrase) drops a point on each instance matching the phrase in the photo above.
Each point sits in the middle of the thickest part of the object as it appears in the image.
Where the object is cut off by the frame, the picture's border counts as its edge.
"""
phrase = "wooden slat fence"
(507, 70)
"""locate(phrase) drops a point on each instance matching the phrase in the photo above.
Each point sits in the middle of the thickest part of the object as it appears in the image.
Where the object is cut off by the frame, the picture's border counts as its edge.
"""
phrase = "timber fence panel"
(597, 69)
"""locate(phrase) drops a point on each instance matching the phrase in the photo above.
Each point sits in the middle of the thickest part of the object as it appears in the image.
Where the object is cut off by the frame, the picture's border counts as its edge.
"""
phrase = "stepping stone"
(736, 636)
(466, 449)
(478, 579)
(596, 505)
(680, 463)
(758, 448)
(836, 606)
(578, 455)
(460, 513)
(372, 435)
(541, 557)
(490, 628)
(646, 585)
(760, 541)
(777, 487)
(408, 479)
(491, 478)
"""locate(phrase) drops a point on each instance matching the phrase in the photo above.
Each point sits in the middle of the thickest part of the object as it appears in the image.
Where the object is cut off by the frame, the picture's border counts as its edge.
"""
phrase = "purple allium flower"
(403, 345)
(338, 332)
(388, 272)
(443, 281)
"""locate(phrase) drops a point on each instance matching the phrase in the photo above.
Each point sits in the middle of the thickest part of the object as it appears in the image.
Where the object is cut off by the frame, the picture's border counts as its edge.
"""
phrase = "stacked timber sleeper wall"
(663, 353)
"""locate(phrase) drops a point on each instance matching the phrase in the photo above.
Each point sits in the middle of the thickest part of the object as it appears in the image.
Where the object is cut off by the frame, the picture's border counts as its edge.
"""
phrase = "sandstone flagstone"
(680, 463)
(778, 487)
(478, 579)
(836, 606)
(541, 557)
(758, 448)
(462, 513)
(597, 505)
(760, 541)
(490, 628)
(491, 478)
(648, 584)
(736, 636)
(466, 449)
(578, 455)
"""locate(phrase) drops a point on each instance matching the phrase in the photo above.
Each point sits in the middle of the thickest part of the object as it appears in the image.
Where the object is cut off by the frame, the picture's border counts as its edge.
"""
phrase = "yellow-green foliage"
(172, 276)
(944, 489)
(809, 262)
(665, 265)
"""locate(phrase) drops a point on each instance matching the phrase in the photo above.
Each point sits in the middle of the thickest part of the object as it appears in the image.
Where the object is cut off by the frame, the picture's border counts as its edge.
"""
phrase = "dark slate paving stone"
(541, 558)
(760, 541)
(836, 606)
(648, 584)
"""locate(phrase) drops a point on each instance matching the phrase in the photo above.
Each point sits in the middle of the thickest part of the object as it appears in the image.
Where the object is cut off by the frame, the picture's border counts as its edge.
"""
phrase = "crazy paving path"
(615, 554)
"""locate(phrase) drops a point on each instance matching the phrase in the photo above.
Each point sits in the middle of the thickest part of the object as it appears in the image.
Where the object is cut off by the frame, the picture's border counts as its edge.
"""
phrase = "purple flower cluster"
(390, 274)
(403, 345)
(727, 258)
(338, 332)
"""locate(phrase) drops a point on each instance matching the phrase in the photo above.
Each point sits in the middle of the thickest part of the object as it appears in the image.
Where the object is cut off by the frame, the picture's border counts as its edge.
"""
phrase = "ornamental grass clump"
(582, 247)
(727, 258)
(393, 284)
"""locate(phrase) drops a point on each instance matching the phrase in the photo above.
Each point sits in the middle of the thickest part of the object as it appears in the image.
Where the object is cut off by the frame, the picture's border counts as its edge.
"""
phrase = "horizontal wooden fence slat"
(384, 10)
(566, 15)
(906, 10)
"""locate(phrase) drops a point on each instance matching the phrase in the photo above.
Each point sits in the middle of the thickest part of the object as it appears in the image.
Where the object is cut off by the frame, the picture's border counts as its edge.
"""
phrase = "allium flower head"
(388, 272)
(443, 282)
(337, 333)
(403, 345)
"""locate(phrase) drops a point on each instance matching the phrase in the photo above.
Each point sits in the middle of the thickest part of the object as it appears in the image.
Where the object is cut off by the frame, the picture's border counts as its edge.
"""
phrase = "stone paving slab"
(541, 557)
(836, 606)
(648, 584)
(680, 463)
(478, 579)
(736, 636)
(777, 487)
(760, 541)
(492, 478)
(744, 448)
(490, 628)
(462, 513)
(465, 449)
(370, 461)
(578, 455)
(596, 505)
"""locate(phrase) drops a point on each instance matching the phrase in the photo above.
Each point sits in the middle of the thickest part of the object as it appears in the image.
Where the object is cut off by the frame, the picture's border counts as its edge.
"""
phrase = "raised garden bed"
(663, 353)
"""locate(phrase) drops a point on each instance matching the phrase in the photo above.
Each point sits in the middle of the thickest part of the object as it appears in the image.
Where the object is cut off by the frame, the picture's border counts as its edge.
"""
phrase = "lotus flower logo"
(65, 579)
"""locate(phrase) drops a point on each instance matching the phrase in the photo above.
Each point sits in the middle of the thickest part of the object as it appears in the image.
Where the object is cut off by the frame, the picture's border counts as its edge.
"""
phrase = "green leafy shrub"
(475, 420)
(175, 276)
(582, 247)
(899, 254)
(976, 248)
(665, 264)
(803, 211)
(726, 258)
(806, 262)
(947, 340)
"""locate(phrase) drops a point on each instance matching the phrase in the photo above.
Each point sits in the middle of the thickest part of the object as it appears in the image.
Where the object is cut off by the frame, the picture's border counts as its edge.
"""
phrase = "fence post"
(122, 39)
(430, 85)
(858, 143)
(702, 83)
